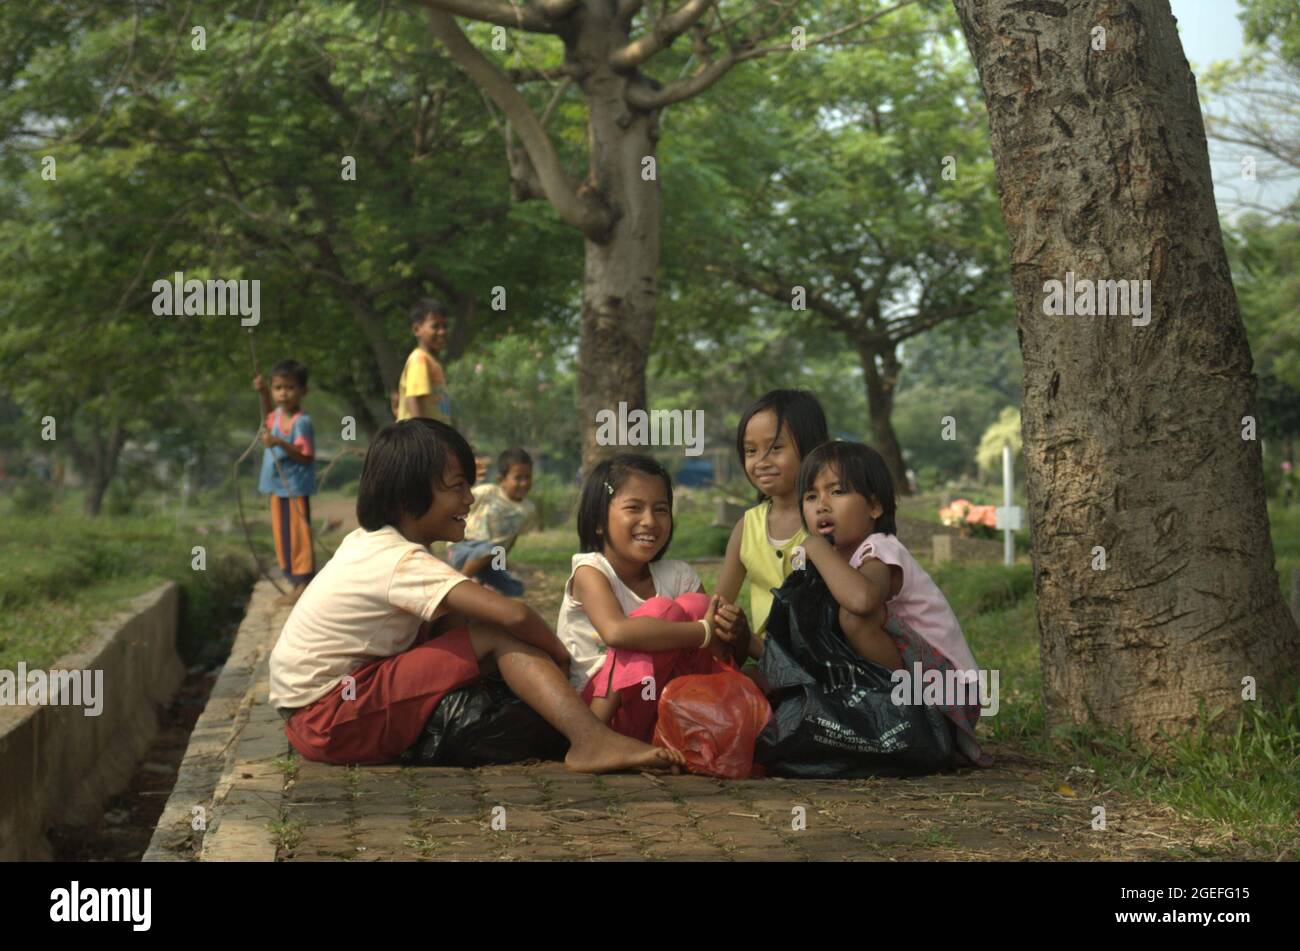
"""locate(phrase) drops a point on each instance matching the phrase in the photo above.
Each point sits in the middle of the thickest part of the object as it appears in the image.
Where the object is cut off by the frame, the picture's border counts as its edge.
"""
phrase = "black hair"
(861, 469)
(798, 408)
(292, 369)
(602, 484)
(427, 305)
(513, 457)
(401, 466)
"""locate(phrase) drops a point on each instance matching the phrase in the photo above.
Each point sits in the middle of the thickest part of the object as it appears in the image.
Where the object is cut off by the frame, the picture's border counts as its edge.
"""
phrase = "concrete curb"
(237, 738)
(59, 765)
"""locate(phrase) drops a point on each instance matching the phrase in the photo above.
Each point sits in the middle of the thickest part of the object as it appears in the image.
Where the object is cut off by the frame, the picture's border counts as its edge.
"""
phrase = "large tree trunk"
(881, 381)
(620, 281)
(1133, 434)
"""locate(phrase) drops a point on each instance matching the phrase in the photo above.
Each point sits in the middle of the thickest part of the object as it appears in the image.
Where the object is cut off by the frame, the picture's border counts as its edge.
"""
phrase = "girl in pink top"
(891, 611)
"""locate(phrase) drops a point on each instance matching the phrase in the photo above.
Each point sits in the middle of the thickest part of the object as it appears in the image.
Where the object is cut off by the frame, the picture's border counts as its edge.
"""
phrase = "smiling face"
(516, 483)
(445, 519)
(287, 393)
(431, 331)
(843, 517)
(640, 519)
(772, 471)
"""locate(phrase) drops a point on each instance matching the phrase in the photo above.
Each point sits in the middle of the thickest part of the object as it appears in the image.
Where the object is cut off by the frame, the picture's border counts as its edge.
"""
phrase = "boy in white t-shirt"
(385, 630)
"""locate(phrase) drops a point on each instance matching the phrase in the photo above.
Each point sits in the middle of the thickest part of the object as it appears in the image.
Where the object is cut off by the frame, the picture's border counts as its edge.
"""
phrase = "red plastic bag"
(713, 720)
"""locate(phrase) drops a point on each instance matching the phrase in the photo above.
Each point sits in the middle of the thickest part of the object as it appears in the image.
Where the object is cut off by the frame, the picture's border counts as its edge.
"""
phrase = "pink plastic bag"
(713, 720)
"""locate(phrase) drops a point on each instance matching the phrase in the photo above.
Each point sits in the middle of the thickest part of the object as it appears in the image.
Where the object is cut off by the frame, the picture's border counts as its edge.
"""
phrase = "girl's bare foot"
(613, 752)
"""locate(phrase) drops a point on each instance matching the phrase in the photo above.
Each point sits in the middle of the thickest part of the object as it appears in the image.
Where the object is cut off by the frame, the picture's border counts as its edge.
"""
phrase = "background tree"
(970, 377)
(852, 190)
(615, 203)
(1133, 434)
(1252, 116)
(223, 156)
(323, 151)
(1265, 262)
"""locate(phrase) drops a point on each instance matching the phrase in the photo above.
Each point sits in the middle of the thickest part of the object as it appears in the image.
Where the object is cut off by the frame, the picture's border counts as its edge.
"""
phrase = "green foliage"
(32, 495)
(1265, 20)
(826, 170)
(515, 390)
(1004, 432)
(970, 376)
(1265, 260)
(228, 163)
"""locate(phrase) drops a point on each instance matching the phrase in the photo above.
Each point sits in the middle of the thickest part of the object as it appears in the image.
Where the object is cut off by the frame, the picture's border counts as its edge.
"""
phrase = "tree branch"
(646, 98)
(627, 9)
(585, 211)
(661, 35)
(535, 74)
(557, 9)
(778, 290)
(517, 15)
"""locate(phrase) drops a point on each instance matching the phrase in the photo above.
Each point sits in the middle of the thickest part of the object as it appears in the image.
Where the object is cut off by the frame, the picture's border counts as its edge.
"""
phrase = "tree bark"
(1133, 434)
(620, 279)
(881, 380)
(98, 462)
(388, 358)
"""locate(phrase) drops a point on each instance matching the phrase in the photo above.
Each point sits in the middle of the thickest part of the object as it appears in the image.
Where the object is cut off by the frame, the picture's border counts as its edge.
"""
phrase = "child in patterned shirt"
(500, 514)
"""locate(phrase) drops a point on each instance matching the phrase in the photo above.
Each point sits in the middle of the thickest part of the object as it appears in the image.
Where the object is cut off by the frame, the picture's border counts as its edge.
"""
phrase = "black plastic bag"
(832, 713)
(483, 724)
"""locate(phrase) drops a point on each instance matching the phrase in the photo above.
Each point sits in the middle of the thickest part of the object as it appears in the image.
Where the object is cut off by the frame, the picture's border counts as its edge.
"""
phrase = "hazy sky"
(1211, 31)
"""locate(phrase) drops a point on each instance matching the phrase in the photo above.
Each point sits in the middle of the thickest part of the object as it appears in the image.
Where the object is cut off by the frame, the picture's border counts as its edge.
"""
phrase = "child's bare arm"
(868, 639)
(859, 592)
(616, 629)
(290, 450)
(264, 394)
(477, 602)
(732, 575)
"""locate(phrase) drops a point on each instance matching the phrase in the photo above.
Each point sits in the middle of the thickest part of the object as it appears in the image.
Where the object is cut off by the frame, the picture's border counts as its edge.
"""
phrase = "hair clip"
(609, 488)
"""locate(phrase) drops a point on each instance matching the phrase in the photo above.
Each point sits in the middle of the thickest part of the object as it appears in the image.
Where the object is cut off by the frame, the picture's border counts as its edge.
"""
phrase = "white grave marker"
(1010, 517)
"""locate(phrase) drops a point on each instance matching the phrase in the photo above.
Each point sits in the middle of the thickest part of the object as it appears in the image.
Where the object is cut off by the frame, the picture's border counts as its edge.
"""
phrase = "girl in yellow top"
(774, 435)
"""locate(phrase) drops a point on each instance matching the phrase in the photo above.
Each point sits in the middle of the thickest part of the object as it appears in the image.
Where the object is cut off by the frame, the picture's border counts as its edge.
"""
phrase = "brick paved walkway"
(256, 801)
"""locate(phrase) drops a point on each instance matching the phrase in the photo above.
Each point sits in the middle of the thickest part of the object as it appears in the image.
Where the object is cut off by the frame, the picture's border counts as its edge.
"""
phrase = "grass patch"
(286, 834)
(975, 588)
(1245, 777)
(1285, 523)
(288, 764)
(62, 573)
